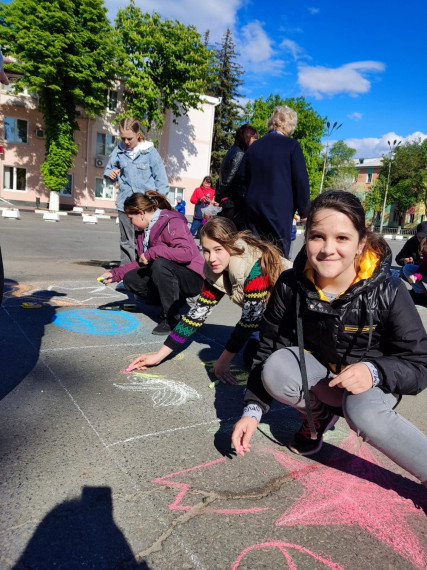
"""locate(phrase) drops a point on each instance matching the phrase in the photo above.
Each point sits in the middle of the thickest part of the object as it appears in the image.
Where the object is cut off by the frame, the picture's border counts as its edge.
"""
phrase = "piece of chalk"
(213, 384)
(129, 307)
(31, 305)
(112, 308)
(101, 279)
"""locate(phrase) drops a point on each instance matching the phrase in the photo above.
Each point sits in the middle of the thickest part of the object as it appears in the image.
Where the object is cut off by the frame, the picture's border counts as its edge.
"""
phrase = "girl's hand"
(222, 372)
(242, 434)
(143, 260)
(356, 378)
(114, 174)
(108, 278)
(144, 361)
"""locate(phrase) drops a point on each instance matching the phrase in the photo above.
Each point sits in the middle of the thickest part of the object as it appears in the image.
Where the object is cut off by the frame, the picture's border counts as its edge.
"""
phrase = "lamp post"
(392, 148)
(329, 132)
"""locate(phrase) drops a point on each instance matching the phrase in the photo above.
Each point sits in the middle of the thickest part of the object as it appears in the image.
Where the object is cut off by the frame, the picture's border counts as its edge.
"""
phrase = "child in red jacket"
(201, 197)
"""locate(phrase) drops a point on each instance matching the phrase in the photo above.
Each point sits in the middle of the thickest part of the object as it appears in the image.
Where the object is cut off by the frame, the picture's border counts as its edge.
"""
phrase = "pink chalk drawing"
(283, 547)
(185, 487)
(335, 497)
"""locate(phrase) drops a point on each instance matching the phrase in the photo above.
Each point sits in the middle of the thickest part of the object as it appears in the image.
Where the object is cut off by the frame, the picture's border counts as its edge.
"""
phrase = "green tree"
(66, 55)
(408, 176)
(308, 132)
(165, 65)
(341, 171)
(226, 82)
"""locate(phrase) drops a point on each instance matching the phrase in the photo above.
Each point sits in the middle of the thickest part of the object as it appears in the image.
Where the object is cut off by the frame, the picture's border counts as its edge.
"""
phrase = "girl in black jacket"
(340, 335)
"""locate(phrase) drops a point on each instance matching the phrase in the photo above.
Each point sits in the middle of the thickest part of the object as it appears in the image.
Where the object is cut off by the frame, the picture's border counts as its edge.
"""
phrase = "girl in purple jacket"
(169, 263)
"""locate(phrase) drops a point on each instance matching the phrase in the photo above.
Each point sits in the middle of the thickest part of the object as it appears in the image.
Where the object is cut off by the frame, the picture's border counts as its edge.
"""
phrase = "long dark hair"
(149, 201)
(349, 205)
(225, 233)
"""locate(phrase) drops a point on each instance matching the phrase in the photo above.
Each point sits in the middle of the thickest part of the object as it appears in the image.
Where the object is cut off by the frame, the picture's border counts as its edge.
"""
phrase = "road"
(101, 469)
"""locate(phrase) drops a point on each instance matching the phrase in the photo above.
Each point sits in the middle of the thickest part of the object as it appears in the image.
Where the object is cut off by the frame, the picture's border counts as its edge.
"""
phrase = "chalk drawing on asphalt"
(284, 548)
(95, 321)
(85, 294)
(240, 375)
(164, 392)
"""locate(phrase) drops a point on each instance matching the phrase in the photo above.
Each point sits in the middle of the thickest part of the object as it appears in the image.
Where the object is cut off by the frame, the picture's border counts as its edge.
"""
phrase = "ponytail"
(149, 201)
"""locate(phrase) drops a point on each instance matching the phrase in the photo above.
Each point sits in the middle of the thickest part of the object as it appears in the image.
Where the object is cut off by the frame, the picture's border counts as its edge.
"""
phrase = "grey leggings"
(370, 414)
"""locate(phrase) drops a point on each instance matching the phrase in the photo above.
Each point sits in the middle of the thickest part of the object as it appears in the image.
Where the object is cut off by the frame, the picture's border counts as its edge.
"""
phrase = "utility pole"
(392, 148)
(329, 132)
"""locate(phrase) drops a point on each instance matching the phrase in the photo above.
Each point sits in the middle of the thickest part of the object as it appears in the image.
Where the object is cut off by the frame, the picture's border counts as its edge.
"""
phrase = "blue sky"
(360, 63)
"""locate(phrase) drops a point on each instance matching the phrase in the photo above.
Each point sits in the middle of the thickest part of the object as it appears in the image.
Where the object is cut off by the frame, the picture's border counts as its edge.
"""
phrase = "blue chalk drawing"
(95, 321)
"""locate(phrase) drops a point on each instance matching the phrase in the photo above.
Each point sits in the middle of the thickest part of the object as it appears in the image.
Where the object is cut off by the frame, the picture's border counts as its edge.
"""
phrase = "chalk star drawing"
(95, 321)
(284, 549)
(334, 497)
(185, 487)
(89, 293)
(165, 392)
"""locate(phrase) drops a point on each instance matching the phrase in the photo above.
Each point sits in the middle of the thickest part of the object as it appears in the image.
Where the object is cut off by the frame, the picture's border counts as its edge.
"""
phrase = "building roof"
(368, 162)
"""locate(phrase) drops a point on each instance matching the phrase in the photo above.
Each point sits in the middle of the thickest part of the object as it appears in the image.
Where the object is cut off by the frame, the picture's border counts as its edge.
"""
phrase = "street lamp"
(392, 148)
(329, 132)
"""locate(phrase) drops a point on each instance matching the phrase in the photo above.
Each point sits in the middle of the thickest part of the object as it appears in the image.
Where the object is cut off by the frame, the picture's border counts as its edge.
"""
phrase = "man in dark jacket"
(410, 251)
(276, 181)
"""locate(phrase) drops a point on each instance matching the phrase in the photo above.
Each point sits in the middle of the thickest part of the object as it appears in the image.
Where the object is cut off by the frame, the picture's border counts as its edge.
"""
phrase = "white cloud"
(313, 10)
(297, 51)
(349, 78)
(213, 16)
(376, 147)
(355, 116)
(256, 50)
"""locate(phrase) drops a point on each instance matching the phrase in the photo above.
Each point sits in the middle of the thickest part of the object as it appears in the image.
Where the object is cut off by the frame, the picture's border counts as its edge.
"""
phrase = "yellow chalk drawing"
(240, 375)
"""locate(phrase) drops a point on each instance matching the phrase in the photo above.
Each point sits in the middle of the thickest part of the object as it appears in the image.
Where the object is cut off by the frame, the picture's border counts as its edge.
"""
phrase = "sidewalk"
(103, 470)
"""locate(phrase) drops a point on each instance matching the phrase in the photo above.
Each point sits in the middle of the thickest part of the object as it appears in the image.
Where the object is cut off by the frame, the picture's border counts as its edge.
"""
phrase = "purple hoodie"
(170, 238)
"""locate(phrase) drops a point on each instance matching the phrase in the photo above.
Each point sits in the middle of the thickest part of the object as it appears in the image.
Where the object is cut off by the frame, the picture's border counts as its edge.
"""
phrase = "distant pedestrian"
(201, 198)
(362, 341)
(137, 167)
(276, 181)
(230, 189)
(180, 206)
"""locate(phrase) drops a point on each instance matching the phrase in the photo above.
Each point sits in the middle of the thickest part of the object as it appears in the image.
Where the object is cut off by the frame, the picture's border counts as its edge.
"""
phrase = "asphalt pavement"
(104, 469)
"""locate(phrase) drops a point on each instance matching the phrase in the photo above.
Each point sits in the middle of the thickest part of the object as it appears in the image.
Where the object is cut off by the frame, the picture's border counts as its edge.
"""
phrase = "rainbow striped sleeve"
(255, 296)
(194, 319)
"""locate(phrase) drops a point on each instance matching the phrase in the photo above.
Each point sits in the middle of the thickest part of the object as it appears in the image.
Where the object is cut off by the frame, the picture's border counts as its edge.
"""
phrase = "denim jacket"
(145, 172)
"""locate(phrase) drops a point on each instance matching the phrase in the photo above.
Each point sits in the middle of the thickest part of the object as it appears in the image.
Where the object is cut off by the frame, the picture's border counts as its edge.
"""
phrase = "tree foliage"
(165, 65)
(66, 52)
(408, 176)
(226, 82)
(308, 132)
(341, 171)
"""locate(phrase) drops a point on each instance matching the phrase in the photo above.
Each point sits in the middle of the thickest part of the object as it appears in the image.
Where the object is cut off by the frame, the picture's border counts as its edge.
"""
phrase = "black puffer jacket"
(230, 181)
(374, 321)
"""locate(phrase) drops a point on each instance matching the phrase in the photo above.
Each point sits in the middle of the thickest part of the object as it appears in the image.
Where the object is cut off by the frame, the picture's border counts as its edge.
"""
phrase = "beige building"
(185, 148)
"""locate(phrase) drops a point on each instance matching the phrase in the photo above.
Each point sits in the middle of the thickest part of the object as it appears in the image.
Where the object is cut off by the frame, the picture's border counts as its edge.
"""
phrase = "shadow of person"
(21, 331)
(80, 533)
(228, 397)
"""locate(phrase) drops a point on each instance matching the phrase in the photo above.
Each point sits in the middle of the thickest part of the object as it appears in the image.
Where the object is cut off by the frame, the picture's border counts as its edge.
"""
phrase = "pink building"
(185, 148)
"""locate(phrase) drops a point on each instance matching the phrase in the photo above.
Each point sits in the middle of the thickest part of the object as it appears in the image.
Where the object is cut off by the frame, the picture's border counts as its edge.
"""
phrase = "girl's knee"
(281, 377)
(363, 415)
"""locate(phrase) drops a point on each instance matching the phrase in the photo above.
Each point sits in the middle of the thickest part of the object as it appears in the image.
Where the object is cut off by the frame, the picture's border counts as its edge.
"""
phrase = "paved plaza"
(105, 469)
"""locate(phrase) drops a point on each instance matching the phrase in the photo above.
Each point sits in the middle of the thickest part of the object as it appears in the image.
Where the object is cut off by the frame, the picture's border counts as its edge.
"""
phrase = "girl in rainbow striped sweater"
(238, 265)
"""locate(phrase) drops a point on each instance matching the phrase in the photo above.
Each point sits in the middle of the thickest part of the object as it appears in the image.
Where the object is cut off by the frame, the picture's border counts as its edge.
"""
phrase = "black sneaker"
(303, 444)
(165, 326)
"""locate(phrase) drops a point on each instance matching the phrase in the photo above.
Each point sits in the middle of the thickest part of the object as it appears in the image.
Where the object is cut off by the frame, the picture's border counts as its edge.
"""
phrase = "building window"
(105, 144)
(411, 218)
(15, 178)
(112, 99)
(175, 193)
(104, 189)
(421, 218)
(67, 190)
(368, 177)
(15, 130)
